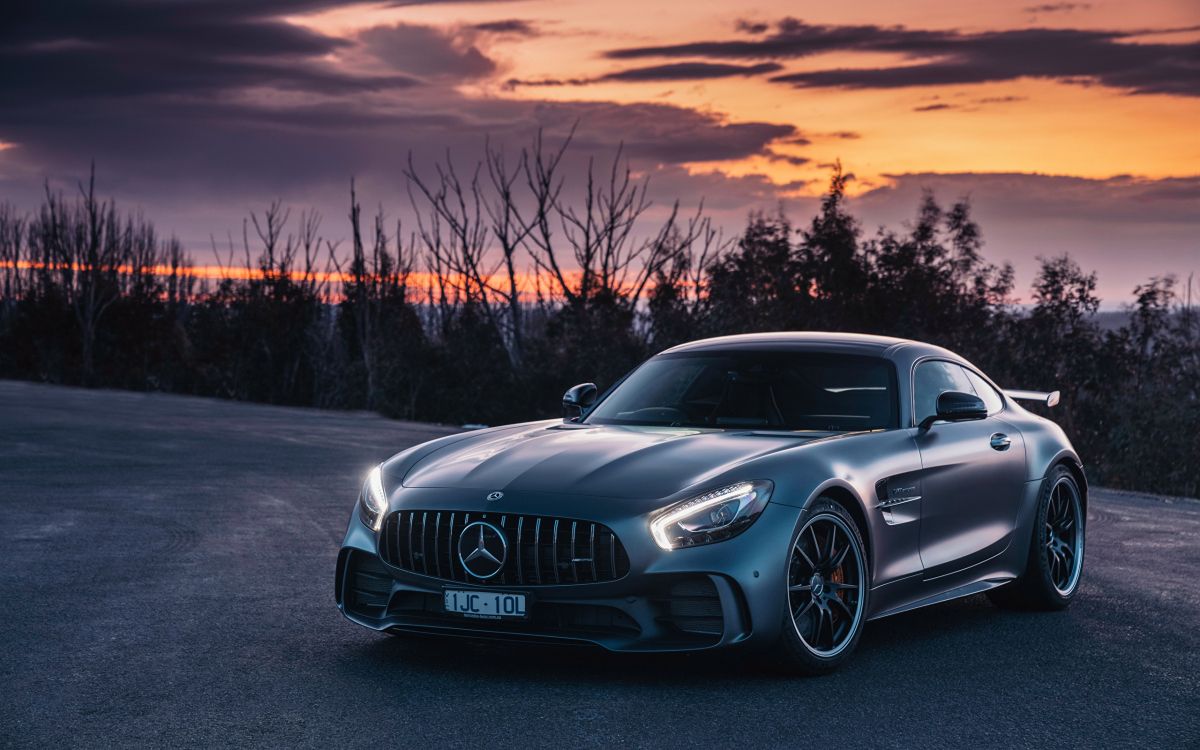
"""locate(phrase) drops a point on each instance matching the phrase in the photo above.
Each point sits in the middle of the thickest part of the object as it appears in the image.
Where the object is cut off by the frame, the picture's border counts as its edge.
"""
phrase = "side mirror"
(955, 406)
(577, 399)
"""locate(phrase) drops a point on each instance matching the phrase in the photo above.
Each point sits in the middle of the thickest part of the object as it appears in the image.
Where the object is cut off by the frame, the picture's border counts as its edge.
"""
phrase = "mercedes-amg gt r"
(767, 491)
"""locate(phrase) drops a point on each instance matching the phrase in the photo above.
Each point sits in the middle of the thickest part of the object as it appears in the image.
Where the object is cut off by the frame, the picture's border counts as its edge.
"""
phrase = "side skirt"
(956, 593)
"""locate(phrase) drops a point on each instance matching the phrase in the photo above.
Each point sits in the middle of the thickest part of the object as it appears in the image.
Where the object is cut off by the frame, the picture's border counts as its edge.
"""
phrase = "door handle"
(1000, 441)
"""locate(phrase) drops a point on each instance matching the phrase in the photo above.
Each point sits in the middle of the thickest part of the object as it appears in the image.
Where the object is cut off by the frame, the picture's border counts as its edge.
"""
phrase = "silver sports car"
(768, 491)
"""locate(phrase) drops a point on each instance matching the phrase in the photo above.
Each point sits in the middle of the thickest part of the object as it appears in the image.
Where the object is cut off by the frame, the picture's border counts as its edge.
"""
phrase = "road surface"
(166, 578)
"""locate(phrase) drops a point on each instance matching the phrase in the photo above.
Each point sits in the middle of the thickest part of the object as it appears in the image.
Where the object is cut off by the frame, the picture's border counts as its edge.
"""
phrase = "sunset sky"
(1073, 126)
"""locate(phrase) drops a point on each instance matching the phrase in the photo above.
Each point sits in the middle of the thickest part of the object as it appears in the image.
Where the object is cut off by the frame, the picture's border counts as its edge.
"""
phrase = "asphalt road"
(166, 578)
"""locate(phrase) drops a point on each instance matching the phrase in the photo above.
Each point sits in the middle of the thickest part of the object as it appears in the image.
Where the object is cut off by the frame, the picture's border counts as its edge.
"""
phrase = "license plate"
(487, 605)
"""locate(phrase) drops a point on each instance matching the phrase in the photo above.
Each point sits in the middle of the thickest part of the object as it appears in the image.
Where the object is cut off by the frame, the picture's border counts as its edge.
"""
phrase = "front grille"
(542, 550)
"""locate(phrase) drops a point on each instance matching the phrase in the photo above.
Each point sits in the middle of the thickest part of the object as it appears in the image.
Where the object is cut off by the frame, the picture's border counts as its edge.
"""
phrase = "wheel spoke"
(834, 586)
(838, 601)
(811, 566)
(842, 629)
(833, 530)
(841, 557)
(798, 613)
(816, 542)
(827, 622)
(800, 587)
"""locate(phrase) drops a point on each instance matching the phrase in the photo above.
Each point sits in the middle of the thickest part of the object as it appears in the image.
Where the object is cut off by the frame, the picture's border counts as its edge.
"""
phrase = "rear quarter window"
(983, 389)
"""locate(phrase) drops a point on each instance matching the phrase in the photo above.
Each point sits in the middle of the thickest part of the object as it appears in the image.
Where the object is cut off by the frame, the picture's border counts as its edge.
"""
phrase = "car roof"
(903, 351)
(812, 340)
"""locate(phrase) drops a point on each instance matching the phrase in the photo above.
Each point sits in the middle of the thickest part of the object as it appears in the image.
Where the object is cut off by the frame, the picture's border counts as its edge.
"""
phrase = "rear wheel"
(827, 588)
(1055, 562)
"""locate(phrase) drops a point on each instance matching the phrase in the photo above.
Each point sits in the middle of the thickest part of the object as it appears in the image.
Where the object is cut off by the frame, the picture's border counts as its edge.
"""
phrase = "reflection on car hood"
(605, 461)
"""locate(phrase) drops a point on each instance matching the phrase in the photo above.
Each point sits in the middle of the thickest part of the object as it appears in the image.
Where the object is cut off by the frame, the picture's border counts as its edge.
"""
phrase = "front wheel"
(1055, 561)
(827, 589)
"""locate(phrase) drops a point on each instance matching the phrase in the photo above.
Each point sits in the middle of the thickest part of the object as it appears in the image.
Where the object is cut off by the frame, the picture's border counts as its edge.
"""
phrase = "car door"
(972, 473)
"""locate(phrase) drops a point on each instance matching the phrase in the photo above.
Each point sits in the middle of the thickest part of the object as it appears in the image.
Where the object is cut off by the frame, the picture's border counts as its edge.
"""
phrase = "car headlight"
(372, 501)
(711, 517)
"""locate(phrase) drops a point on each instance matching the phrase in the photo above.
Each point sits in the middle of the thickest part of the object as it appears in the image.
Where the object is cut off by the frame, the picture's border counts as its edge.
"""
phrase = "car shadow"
(912, 640)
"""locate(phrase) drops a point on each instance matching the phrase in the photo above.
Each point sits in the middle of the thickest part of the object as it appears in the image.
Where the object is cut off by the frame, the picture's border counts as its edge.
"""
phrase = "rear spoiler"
(1049, 399)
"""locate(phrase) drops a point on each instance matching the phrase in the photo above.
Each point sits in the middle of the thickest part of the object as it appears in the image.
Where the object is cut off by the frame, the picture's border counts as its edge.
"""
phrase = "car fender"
(806, 473)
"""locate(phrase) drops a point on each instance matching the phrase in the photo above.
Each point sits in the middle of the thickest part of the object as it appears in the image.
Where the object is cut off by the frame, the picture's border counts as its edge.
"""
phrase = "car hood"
(604, 461)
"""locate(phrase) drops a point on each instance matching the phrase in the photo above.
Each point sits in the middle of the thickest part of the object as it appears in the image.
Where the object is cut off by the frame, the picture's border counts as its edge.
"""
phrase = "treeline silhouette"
(515, 284)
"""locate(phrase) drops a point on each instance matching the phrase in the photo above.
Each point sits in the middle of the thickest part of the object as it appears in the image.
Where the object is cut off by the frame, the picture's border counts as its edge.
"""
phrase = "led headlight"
(372, 501)
(711, 517)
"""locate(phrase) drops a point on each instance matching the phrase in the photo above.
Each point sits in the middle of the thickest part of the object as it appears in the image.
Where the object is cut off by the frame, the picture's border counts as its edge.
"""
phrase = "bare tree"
(600, 232)
(540, 166)
(455, 235)
(13, 264)
(510, 234)
(84, 246)
(374, 279)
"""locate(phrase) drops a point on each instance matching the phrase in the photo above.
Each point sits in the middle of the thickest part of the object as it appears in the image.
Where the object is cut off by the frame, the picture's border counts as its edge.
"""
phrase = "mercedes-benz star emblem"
(495, 495)
(482, 549)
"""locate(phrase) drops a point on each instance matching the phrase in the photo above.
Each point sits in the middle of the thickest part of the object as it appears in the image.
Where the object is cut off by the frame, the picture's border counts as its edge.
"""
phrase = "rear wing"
(1049, 399)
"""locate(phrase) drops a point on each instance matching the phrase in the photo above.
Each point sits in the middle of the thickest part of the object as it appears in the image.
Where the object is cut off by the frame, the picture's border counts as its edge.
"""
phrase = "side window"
(986, 392)
(932, 379)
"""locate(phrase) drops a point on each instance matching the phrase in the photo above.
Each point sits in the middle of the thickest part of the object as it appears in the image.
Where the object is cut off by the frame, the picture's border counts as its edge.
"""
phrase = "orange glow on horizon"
(526, 282)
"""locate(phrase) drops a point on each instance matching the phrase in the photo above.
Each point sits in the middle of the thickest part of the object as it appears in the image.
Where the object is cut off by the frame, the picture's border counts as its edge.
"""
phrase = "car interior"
(799, 391)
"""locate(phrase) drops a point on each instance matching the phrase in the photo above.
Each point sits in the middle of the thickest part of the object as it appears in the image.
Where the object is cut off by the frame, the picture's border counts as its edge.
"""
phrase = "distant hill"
(1112, 321)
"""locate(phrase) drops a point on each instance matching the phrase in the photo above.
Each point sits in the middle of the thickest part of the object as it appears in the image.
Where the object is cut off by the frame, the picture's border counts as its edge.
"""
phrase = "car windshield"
(791, 391)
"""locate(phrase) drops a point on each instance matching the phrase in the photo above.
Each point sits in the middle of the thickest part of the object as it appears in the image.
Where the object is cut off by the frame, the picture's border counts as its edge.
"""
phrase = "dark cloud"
(427, 52)
(681, 71)
(795, 161)
(1057, 7)
(198, 111)
(949, 57)
(508, 26)
(797, 140)
(967, 105)
(197, 167)
(752, 27)
(664, 133)
(731, 198)
(690, 71)
(121, 48)
(514, 83)
(792, 39)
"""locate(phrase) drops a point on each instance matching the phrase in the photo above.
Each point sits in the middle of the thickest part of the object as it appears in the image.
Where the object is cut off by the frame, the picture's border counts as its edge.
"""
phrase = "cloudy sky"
(1073, 126)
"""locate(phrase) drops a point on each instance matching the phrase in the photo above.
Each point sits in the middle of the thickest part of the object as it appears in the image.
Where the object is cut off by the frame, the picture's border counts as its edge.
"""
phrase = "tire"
(1055, 563)
(828, 584)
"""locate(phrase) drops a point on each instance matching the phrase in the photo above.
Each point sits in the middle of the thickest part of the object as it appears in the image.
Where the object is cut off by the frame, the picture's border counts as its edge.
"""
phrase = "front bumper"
(712, 596)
